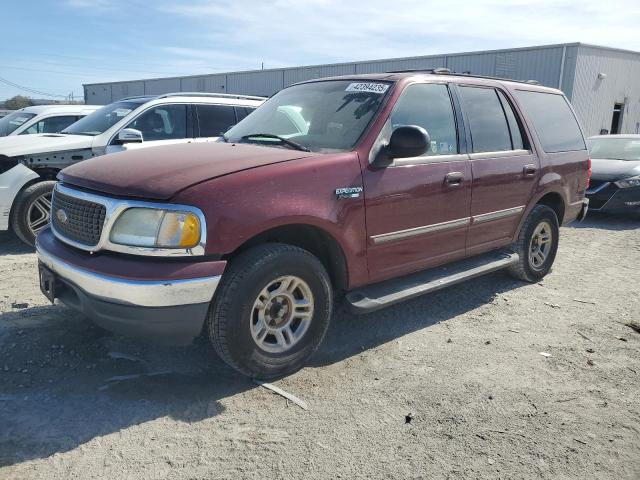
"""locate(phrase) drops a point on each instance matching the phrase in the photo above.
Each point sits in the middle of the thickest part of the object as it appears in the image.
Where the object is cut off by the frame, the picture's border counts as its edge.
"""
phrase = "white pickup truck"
(29, 163)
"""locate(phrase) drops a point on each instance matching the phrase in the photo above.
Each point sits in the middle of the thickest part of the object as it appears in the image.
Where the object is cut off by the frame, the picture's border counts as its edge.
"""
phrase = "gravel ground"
(451, 385)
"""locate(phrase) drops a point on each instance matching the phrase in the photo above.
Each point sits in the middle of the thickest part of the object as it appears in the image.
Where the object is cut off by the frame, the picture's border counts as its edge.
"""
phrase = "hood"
(159, 173)
(605, 169)
(42, 143)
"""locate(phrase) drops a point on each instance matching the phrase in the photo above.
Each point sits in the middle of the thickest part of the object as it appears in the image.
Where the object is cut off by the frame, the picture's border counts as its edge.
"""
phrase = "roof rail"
(489, 77)
(446, 71)
(436, 71)
(135, 97)
(214, 95)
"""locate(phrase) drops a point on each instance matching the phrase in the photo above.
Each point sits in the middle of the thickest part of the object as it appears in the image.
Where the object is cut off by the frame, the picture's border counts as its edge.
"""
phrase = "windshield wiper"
(283, 140)
(86, 134)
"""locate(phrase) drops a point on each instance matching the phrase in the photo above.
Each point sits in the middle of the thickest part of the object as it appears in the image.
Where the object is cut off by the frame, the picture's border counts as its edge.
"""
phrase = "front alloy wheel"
(31, 211)
(282, 314)
(271, 310)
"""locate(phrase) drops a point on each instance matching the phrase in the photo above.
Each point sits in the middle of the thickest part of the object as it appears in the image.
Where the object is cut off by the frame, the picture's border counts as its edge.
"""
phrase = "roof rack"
(215, 95)
(446, 71)
(437, 71)
(197, 94)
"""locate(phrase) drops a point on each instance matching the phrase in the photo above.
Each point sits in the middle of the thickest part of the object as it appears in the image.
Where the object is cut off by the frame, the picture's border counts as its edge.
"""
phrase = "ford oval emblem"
(62, 217)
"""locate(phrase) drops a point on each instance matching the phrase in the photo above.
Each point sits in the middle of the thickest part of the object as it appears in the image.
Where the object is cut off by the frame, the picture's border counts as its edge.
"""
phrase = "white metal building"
(602, 83)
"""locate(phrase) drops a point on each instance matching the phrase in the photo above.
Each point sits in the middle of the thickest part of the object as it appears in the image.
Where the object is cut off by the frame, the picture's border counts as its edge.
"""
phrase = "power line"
(30, 90)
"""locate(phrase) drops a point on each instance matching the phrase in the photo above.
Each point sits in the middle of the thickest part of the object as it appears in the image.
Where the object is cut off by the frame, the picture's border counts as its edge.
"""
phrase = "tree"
(17, 102)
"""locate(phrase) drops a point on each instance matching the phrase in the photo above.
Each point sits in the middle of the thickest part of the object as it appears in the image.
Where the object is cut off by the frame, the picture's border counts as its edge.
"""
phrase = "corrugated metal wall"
(594, 97)
(571, 67)
(537, 63)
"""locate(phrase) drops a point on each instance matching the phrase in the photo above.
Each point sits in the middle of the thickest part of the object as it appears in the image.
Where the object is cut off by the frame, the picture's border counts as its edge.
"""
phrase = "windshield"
(12, 121)
(101, 120)
(615, 148)
(327, 116)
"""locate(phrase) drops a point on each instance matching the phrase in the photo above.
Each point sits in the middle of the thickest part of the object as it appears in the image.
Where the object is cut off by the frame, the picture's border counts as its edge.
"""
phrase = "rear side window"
(553, 120)
(487, 120)
(429, 106)
(214, 120)
(242, 112)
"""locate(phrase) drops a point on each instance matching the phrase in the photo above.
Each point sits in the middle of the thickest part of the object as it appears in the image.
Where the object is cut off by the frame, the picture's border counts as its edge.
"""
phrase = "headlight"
(150, 227)
(629, 182)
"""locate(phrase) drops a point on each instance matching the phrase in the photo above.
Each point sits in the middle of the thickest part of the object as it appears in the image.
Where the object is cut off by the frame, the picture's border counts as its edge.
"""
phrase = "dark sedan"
(615, 181)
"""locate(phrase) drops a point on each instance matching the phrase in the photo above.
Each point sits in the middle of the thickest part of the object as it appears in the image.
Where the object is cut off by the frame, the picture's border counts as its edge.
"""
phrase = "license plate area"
(47, 282)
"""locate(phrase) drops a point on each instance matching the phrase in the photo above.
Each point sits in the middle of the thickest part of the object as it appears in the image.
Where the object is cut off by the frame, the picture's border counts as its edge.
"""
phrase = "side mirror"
(406, 141)
(130, 135)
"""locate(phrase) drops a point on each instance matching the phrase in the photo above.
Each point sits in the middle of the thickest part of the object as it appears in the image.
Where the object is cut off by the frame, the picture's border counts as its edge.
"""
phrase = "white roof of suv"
(199, 97)
(60, 109)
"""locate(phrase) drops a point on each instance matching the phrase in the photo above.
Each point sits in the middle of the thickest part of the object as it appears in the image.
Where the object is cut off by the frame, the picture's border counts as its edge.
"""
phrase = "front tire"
(537, 245)
(271, 310)
(31, 211)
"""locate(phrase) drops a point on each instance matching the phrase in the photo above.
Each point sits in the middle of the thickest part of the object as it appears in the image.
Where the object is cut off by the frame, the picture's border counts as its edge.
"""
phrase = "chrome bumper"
(583, 209)
(165, 293)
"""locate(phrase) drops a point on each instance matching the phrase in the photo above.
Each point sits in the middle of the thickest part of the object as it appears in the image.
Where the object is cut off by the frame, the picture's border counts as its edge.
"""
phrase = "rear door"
(417, 209)
(213, 121)
(504, 167)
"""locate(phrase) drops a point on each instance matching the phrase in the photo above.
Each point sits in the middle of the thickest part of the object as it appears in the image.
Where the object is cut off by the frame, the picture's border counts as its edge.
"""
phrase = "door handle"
(529, 170)
(453, 179)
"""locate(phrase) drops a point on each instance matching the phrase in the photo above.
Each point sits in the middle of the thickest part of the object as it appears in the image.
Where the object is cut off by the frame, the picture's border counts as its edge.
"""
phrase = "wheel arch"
(309, 237)
(553, 199)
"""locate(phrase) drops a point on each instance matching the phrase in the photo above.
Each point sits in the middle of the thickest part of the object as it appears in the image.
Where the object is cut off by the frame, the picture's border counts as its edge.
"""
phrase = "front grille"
(76, 219)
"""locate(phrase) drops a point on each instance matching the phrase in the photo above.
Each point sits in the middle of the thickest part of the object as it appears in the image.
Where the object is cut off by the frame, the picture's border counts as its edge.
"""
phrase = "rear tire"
(537, 245)
(271, 310)
(31, 211)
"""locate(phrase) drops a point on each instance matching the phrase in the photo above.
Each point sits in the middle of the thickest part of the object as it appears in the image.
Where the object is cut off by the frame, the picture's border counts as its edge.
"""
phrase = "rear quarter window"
(554, 122)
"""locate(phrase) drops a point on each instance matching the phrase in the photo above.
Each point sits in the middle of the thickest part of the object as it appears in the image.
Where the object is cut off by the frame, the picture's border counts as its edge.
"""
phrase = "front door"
(160, 125)
(503, 165)
(418, 209)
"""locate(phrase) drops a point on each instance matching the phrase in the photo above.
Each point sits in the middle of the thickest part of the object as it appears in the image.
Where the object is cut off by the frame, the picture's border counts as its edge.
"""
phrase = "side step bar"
(374, 297)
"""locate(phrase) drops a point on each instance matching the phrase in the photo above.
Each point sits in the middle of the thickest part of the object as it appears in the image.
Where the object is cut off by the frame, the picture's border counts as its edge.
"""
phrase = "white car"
(29, 163)
(43, 119)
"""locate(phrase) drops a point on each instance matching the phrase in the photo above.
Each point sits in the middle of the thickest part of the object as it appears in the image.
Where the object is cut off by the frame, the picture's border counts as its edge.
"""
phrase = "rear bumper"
(170, 308)
(583, 210)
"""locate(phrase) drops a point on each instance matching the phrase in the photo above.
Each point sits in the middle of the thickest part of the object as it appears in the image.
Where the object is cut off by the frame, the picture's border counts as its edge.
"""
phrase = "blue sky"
(56, 46)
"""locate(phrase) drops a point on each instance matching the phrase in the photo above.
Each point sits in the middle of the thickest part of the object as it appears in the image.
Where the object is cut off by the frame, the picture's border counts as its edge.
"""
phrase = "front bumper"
(166, 301)
(608, 198)
(11, 182)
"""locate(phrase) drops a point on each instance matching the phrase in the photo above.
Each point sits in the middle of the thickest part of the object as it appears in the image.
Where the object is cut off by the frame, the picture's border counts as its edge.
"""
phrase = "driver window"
(163, 122)
(429, 106)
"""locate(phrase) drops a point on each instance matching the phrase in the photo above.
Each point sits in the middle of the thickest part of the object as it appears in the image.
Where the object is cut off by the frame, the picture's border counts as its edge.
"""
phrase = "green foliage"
(17, 102)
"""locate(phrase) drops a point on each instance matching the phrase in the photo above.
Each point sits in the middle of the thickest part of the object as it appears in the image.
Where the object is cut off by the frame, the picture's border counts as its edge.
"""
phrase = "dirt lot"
(451, 385)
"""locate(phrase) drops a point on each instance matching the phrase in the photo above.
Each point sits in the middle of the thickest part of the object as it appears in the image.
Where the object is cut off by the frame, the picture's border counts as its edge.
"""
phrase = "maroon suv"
(376, 187)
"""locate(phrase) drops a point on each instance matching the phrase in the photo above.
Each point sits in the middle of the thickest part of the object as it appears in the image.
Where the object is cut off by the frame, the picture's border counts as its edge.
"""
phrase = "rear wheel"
(31, 211)
(271, 310)
(537, 245)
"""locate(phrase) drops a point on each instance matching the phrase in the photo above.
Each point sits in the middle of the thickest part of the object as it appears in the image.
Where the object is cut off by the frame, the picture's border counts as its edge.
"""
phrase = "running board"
(374, 297)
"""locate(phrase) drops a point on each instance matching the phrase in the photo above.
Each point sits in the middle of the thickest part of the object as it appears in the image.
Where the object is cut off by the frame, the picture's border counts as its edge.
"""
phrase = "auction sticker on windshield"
(367, 87)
